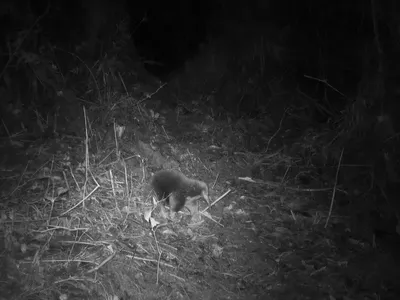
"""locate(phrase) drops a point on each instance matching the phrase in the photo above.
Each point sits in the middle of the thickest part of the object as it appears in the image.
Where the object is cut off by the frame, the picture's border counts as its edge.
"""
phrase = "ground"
(76, 222)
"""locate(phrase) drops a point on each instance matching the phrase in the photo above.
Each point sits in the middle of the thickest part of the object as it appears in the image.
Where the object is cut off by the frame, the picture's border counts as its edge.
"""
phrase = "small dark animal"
(177, 189)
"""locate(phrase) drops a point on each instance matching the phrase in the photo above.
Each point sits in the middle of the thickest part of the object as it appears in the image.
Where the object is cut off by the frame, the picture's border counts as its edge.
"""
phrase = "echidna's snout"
(204, 193)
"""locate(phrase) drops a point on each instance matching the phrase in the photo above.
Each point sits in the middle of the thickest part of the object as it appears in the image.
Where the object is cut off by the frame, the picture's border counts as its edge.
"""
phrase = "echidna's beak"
(205, 196)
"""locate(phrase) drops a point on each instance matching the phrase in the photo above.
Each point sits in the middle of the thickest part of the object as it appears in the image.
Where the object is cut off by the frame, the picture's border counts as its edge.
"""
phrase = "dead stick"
(334, 188)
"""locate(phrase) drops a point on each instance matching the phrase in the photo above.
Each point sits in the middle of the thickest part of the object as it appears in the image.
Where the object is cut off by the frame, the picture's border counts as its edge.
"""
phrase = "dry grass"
(77, 221)
(87, 229)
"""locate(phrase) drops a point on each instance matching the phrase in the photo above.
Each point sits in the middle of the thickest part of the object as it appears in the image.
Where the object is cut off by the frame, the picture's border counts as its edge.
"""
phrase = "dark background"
(330, 66)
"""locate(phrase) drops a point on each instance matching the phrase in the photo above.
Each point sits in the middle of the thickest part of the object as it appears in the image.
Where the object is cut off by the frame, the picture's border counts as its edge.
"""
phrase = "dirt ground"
(76, 224)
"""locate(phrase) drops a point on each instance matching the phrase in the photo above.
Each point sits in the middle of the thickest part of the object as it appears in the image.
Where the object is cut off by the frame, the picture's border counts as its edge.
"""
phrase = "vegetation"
(291, 123)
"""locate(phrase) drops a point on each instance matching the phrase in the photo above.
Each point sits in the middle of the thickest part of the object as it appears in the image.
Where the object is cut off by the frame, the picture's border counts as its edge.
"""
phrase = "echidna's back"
(175, 187)
(165, 182)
